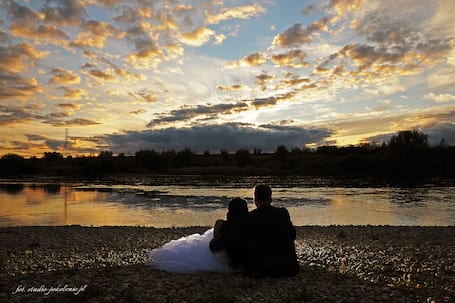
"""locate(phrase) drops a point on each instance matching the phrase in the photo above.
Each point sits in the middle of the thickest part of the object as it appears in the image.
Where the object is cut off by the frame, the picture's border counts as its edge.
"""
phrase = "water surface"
(189, 201)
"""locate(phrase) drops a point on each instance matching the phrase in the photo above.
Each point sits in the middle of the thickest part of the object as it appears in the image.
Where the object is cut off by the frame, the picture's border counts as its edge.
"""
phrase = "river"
(170, 201)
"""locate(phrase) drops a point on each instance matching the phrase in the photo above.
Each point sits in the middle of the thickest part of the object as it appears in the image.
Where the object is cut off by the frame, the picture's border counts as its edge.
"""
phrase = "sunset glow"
(210, 75)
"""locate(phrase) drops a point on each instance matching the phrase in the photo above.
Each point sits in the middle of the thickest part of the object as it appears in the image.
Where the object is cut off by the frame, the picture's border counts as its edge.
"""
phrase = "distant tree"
(206, 153)
(224, 154)
(105, 154)
(153, 160)
(281, 153)
(184, 158)
(52, 156)
(12, 164)
(406, 153)
(242, 156)
(296, 151)
(257, 151)
(411, 140)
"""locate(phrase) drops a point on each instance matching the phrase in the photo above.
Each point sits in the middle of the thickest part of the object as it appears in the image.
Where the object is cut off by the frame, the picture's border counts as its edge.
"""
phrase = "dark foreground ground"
(339, 264)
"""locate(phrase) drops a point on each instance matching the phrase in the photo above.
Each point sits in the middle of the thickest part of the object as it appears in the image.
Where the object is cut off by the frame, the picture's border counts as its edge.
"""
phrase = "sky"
(126, 76)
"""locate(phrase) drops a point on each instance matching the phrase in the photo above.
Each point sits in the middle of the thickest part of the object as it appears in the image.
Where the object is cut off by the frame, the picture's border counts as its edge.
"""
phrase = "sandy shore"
(339, 264)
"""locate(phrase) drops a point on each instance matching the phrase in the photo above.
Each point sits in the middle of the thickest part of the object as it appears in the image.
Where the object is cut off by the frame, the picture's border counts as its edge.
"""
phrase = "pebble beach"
(338, 263)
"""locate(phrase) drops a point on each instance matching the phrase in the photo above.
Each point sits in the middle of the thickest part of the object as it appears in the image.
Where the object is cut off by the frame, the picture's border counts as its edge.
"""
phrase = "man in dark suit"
(269, 242)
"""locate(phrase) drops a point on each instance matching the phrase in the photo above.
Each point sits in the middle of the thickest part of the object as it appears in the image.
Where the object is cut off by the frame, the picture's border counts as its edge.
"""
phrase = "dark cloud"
(55, 121)
(230, 137)
(293, 58)
(188, 113)
(64, 12)
(101, 75)
(19, 13)
(261, 102)
(298, 34)
(15, 114)
(436, 132)
(34, 137)
(440, 131)
(14, 86)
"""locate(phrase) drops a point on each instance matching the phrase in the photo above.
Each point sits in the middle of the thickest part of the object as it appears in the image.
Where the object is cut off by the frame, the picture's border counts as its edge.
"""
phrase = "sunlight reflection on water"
(166, 205)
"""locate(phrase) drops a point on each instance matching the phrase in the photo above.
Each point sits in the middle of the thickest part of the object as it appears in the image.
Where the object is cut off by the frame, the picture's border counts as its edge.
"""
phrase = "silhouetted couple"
(261, 242)
(257, 243)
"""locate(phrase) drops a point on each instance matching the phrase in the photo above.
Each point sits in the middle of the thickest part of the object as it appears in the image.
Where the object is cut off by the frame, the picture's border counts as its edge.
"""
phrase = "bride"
(216, 250)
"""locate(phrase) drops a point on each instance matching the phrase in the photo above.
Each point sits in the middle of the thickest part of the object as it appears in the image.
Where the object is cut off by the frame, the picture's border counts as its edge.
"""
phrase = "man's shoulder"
(269, 209)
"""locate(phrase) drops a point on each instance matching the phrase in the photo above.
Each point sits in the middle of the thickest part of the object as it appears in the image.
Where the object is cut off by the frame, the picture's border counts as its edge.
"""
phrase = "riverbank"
(339, 263)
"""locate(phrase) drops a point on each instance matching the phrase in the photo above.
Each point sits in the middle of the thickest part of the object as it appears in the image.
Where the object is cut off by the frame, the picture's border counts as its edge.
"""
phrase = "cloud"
(40, 33)
(188, 113)
(235, 87)
(239, 12)
(15, 58)
(441, 98)
(145, 95)
(254, 59)
(197, 37)
(293, 58)
(292, 81)
(145, 58)
(13, 86)
(62, 76)
(74, 94)
(263, 102)
(96, 73)
(298, 34)
(68, 106)
(263, 79)
(72, 122)
(19, 13)
(231, 137)
(15, 115)
(95, 34)
(65, 12)
(441, 131)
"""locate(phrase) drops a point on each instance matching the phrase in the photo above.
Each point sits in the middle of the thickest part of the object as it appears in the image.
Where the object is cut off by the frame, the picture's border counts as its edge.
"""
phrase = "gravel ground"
(339, 264)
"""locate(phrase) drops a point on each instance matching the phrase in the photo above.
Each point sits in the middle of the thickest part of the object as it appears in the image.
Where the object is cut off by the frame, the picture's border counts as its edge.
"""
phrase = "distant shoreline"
(307, 180)
(366, 263)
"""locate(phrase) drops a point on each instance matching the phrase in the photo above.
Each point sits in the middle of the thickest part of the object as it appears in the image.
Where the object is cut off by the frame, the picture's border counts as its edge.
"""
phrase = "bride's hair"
(237, 209)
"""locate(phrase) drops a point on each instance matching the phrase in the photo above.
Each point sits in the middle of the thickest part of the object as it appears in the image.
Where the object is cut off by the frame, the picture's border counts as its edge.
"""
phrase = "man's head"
(262, 195)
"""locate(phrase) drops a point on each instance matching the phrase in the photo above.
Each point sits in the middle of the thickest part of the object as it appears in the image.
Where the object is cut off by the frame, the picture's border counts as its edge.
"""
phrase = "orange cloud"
(235, 87)
(294, 58)
(74, 94)
(48, 33)
(17, 87)
(15, 58)
(197, 37)
(95, 34)
(250, 60)
(240, 12)
(101, 75)
(61, 76)
(149, 57)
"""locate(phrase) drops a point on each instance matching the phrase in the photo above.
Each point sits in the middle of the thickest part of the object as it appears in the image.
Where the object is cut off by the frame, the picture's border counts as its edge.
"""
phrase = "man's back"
(270, 243)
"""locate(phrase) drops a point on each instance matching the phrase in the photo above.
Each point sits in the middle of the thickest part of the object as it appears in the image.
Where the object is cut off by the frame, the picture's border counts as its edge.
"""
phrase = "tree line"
(406, 155)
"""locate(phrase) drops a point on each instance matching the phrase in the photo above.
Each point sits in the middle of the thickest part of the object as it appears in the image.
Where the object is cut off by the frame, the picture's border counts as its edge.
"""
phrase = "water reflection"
(166, 205)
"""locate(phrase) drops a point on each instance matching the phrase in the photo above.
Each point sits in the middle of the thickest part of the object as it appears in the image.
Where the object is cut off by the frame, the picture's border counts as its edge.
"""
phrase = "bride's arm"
(217, 228)
(218, 241)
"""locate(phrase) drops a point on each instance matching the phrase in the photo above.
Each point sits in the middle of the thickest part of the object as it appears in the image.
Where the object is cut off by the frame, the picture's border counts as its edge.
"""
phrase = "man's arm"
(292, 232)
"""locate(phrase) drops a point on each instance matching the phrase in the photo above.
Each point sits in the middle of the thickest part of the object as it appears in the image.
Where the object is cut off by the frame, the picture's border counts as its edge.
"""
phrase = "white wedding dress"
(189, 254)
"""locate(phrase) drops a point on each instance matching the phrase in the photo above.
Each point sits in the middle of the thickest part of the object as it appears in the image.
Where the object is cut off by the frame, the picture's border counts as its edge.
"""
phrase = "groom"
(270, 235)
(267, 242)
